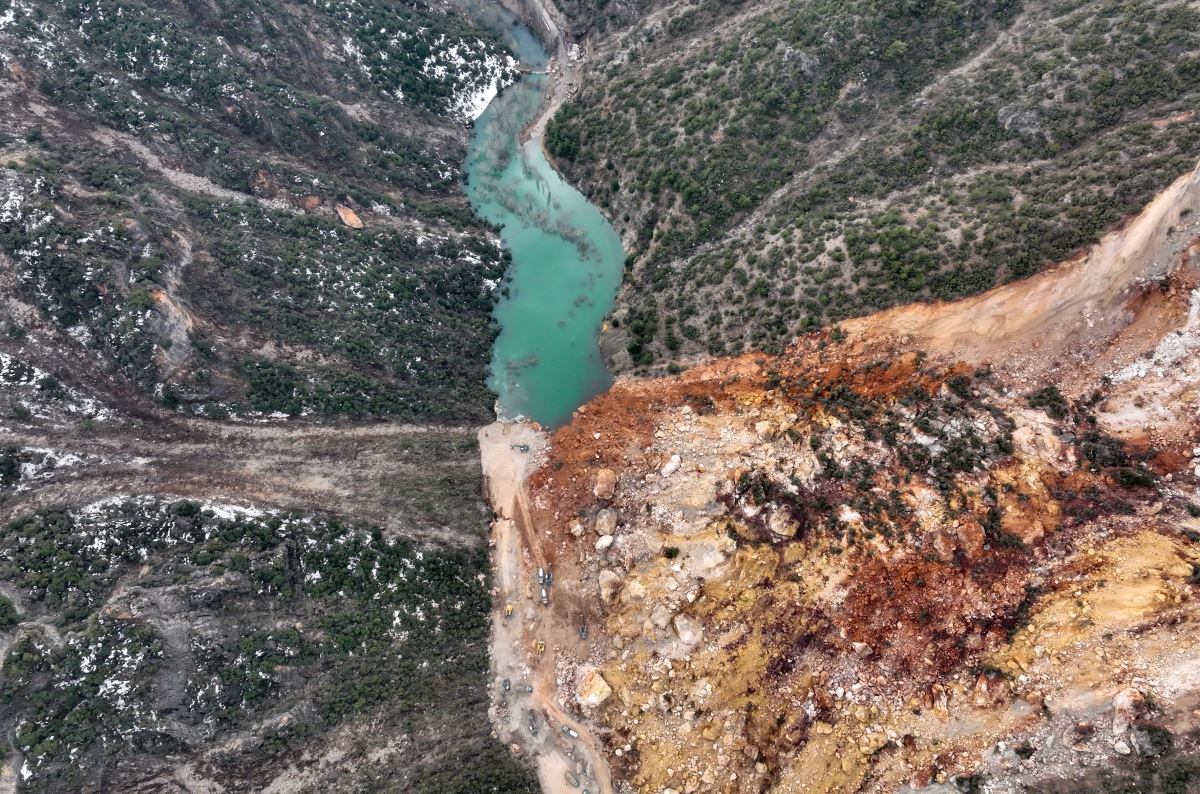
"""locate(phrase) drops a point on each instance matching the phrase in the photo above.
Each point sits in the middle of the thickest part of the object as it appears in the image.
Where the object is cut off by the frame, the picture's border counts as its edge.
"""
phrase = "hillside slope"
(253, 207)
(776, 166)
(227, 229)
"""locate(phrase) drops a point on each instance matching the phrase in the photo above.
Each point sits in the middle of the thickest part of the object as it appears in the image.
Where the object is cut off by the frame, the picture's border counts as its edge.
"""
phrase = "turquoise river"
(567, 260)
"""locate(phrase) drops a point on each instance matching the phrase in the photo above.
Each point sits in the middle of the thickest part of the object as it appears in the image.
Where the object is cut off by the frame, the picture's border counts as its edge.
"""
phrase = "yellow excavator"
(541, 647)
(507, 611)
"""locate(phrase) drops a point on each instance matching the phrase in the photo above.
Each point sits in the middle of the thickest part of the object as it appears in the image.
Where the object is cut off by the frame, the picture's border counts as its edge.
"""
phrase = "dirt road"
(510, 451)
(377, 472)
(563, 72)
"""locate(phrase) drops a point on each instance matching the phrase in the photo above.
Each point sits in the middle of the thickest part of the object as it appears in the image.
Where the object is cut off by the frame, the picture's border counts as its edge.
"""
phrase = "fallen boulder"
(606, 521)
(606, 484)
(349, 217)
(1128, 705)
(610, 585)
(690, 632)
(593, 689)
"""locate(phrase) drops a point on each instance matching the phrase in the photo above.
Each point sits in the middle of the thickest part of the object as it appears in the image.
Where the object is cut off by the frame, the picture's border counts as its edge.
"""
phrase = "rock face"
(593, 689)
(606, 484)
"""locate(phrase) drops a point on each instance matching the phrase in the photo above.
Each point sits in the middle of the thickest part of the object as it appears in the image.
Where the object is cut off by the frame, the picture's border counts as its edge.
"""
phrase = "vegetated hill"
(156, 643)
(215, 216)
(775, 166)
(169, 175)
(186, 603)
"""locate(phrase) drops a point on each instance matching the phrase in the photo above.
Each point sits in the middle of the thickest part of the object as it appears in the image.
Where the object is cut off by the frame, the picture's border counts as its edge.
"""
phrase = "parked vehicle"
(569, 731)
(507, 685)
(583, 632)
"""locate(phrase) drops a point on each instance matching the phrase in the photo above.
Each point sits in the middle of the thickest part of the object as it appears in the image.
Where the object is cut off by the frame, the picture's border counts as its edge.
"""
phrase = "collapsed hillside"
(943, 544)
(776, 166)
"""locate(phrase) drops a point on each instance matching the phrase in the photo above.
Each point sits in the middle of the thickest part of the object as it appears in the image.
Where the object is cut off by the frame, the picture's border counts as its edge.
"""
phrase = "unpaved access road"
(510, 451)
(401, 477)
(563, 74)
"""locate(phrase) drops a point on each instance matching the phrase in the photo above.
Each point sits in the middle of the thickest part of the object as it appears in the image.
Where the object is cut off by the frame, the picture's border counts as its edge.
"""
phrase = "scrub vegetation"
(169, 178)
(160, 631)
(230, 233)
(773, 167)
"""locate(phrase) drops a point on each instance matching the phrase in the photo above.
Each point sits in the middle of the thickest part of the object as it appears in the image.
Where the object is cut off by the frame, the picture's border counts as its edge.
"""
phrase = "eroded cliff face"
(895, 557)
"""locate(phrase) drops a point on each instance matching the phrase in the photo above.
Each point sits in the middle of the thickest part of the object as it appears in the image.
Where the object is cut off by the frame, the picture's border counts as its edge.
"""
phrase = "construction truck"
(541, 647)
(508, 611)
(545, 597)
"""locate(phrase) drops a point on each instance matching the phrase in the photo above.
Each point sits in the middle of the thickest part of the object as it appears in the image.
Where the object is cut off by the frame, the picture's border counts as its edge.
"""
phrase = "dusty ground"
(510, 451)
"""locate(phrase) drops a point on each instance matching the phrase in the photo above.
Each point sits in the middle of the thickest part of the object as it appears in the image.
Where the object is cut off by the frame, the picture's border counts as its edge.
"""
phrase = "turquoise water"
(567, 260)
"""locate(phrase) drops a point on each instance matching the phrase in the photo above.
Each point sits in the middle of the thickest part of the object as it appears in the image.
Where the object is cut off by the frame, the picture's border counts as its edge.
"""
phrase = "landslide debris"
(883, 559)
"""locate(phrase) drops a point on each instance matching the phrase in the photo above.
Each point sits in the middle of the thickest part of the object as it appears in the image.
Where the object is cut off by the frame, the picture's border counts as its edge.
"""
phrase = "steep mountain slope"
(216, 217)
(776, 166)
(942, 548)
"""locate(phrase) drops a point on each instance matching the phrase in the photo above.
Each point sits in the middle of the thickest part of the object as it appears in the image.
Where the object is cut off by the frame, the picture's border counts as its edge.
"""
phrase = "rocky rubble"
(818, 574)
